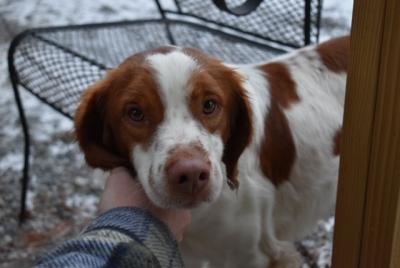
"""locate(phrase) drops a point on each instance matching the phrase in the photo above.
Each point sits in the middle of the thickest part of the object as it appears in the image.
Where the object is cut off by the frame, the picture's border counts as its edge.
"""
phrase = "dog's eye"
(209, 106)
(136, 114)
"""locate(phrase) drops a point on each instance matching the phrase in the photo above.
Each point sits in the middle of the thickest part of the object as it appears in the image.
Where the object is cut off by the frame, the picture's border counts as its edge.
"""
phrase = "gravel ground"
(64, 192)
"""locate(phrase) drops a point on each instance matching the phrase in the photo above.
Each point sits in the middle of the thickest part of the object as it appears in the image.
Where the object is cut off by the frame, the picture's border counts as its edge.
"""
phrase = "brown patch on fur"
(103, 128)
(205, 87)
(233, 120)
(335, 53)
(278, 150)
(336, 142)
(282, 86)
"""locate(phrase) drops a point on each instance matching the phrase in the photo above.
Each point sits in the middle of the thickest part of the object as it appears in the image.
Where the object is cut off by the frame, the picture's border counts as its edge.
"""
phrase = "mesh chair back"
(58, 63)
(292, 23)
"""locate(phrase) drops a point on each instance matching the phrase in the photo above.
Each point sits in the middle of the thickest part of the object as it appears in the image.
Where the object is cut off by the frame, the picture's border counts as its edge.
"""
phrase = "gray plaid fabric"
(121, 237)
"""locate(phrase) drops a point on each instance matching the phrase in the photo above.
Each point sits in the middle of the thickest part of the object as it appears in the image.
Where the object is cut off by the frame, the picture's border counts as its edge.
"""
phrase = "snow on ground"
(336, 18)
(63, 194)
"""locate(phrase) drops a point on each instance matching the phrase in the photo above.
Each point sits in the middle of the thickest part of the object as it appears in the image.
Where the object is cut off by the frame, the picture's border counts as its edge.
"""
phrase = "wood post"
(367, 230)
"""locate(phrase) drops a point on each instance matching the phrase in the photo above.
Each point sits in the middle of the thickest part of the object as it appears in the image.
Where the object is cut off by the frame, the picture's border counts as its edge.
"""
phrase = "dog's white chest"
(228, 232)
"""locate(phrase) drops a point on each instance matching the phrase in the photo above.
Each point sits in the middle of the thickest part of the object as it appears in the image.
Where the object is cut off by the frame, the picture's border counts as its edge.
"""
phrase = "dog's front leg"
(282, 254)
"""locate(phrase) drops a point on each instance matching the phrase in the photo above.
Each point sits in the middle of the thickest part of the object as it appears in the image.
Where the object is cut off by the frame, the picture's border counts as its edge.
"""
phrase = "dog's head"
(176, 117)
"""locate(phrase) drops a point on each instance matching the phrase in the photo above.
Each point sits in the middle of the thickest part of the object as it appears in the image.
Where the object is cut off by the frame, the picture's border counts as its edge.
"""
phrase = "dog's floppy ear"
(92, 130)
(240, 125)
(239, 138)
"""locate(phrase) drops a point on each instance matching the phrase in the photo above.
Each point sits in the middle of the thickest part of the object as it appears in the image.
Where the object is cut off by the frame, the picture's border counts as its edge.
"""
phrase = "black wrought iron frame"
(256, 40)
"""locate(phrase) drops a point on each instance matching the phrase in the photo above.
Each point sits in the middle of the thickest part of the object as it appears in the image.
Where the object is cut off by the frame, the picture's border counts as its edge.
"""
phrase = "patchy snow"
(50, 13)
(87, 202)
(11, 161)
(336, 18)
(63, 192)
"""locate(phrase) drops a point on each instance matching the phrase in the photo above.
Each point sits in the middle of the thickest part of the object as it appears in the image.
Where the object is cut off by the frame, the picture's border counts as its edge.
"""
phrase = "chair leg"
(25, 174)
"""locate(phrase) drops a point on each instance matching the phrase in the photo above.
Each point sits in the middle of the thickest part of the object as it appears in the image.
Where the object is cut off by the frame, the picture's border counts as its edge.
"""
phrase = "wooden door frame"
(367, 229)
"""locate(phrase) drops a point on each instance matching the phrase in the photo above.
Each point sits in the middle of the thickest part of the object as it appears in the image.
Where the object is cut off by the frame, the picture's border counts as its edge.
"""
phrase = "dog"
(252, 149)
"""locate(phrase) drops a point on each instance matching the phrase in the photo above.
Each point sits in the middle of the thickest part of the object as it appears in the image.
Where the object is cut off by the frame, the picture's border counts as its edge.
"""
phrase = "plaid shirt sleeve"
(121, 237)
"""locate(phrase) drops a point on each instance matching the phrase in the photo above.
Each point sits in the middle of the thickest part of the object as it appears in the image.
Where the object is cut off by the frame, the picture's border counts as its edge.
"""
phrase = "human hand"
(122, 190)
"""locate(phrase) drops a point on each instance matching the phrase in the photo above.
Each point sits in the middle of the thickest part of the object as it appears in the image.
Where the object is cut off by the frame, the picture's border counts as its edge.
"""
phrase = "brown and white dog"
(193, 128)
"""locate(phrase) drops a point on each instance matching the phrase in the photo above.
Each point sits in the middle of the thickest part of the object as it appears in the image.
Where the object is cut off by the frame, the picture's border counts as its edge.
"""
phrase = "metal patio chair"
(56, 64)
